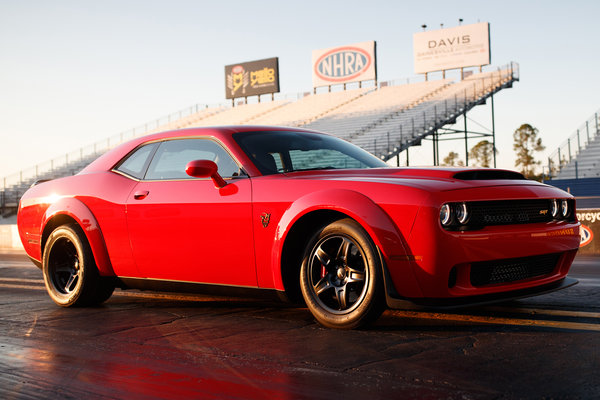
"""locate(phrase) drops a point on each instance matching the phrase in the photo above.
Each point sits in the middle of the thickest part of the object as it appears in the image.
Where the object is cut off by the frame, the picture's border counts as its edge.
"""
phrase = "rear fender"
(83, 216)
(380, 227)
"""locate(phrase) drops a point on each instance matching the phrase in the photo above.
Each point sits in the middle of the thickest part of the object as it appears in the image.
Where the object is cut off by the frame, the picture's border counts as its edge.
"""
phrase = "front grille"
(509, 212)
(512, 269)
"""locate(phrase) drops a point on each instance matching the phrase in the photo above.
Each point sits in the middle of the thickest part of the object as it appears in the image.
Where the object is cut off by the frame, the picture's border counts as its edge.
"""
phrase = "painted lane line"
(22, 280)
(14, 286)
(497, 321)
(542, 311)
(16, 264)
(171, 296)
(589, 282)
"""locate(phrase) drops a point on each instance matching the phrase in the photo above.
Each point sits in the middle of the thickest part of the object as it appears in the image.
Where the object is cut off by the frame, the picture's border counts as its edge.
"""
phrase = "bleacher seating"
(239, 115)
(385, 130)
(578, 157)
(383, 120)
(575, 165)
(374, 106)
(309, 108)
(586, 164)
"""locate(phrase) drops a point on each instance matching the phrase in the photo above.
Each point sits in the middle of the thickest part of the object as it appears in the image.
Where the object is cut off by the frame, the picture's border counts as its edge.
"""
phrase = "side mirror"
(205, 169)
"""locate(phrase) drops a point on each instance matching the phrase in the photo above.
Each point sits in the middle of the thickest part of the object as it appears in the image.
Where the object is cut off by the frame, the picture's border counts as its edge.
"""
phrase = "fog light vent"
(512, 269)
(452, 278)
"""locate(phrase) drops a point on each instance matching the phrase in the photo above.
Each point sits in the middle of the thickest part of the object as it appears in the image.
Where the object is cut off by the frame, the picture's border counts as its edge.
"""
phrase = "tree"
(452, 160)
(482, 153)
(526, 143)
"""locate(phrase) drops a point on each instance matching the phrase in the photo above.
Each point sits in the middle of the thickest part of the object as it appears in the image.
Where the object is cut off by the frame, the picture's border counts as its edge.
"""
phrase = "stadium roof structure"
(385, 120)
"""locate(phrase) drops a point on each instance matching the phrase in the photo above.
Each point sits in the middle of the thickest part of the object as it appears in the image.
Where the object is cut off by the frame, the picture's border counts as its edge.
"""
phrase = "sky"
(77, 72)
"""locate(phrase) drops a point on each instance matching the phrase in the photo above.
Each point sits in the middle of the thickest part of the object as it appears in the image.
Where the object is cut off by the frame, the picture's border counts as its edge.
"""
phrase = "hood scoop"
(488, 175)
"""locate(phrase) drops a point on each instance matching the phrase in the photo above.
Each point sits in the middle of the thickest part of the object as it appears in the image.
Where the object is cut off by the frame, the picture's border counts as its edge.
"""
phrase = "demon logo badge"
(265, 218)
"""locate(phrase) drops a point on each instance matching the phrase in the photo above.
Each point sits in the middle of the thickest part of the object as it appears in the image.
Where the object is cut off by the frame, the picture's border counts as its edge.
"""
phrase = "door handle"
(140, 195)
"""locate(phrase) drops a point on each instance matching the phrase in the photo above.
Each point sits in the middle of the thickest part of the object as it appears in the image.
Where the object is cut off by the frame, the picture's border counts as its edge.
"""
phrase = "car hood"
(430, 179)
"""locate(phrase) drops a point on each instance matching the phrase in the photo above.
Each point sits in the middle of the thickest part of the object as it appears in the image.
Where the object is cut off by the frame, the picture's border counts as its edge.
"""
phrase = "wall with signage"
(589, 231)
(352, 63)
(9, 238)
(252, 78)
(450, 48)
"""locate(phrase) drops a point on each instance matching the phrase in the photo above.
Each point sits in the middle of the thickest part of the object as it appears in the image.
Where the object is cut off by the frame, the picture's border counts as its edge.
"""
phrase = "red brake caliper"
(323, 271)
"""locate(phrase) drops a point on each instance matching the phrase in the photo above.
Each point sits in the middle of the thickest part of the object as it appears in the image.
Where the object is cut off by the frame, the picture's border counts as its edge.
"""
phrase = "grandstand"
(384, 119)
(579, 156)
(575, 165)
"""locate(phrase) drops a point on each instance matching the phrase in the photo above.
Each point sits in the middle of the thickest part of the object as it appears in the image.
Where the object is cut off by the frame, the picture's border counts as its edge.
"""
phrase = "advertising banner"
(252, 78)
(589, 231)
(353, 63)
(450, 48)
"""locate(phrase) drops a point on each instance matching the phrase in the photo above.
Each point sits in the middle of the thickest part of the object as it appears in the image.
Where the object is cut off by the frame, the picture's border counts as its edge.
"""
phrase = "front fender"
(78, 211)
(374, 220)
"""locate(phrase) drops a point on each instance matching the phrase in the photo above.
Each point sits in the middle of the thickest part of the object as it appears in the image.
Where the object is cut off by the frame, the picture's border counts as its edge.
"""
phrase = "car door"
(185, 229)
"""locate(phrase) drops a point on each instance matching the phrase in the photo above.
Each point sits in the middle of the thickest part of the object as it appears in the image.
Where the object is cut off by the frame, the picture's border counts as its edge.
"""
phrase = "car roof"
(222, 134)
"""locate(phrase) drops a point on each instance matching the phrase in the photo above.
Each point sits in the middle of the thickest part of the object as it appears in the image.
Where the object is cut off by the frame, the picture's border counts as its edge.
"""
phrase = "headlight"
(554, 208)
(446, 215)
(564, 208)
(462, 213)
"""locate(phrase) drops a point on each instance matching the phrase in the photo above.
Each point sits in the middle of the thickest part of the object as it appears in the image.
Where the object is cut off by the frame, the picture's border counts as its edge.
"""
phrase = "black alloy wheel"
(340, 276)
(70, 273)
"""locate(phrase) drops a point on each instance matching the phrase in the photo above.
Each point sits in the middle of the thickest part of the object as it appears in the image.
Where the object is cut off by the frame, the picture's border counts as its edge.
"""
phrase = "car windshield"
(275, 152)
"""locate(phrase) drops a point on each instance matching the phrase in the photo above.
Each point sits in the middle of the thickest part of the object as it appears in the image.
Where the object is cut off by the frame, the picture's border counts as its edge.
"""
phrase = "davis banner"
(450, 48)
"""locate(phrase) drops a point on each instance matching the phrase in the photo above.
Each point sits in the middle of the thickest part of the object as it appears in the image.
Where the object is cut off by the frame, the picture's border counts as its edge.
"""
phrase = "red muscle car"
(299, 214)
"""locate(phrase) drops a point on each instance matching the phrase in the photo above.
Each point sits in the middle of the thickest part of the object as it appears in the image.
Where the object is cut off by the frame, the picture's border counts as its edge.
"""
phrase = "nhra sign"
(450, 48)
(589, 231)
(252, 78)
(352, 63)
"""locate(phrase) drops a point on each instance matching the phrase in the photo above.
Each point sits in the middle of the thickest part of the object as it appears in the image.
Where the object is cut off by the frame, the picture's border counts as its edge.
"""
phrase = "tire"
(340, 277)
(70, 273)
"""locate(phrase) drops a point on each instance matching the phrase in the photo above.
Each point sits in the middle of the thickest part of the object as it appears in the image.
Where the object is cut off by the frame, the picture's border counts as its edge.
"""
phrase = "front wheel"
(70, 272)
(340, 277)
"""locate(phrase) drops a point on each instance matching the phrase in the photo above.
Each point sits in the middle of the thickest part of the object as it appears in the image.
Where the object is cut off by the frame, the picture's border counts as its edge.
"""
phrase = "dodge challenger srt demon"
(303, 215)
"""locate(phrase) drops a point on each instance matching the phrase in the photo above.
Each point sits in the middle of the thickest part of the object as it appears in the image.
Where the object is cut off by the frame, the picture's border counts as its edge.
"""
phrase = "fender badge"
(265, 218)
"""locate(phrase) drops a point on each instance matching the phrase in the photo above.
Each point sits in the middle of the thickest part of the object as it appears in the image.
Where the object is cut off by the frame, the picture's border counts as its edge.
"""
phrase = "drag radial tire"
(70, 272)
(341, 278)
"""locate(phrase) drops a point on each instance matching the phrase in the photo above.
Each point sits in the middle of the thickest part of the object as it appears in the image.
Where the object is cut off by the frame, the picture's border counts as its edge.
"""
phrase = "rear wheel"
(340, 277)
(70, 272)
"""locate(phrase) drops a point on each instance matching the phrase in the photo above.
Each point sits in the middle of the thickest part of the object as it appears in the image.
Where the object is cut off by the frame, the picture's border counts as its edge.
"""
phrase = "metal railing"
(46, 168)
(429, 116)
(13, 186)
(565, 155)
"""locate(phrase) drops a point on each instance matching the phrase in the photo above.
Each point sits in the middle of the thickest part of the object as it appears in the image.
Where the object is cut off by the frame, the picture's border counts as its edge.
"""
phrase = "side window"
(172, 156)
(278, 161)
(135, 164)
